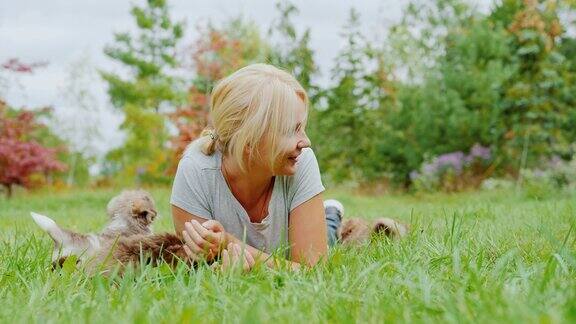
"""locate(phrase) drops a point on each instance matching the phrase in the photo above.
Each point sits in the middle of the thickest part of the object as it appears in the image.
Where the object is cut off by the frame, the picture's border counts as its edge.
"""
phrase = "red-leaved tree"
(215, 54)
(21, 156)
(17, 66)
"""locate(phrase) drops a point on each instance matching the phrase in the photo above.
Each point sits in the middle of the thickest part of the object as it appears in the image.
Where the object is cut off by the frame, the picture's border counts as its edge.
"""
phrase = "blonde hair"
(253, 104)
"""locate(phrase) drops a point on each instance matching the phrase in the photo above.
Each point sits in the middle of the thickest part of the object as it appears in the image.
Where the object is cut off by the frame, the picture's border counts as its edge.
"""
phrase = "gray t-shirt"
(200, 189)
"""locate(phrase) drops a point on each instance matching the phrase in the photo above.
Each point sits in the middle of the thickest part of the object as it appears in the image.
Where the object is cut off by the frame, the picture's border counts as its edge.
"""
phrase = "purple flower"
(555, 162)
(479, 152)
(454, 160)
(429, 168)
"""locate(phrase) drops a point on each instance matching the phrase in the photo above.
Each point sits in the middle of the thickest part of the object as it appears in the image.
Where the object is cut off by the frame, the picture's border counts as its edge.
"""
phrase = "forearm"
(263, 257)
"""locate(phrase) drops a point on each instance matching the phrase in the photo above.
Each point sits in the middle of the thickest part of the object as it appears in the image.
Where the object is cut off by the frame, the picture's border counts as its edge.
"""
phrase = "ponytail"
(209, 140)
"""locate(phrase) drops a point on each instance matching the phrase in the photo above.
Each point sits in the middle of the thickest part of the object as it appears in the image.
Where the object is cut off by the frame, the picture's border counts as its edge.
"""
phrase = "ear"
(381, 227)
(390, 228)
(49, 226)
(112, 207)
(138, 209)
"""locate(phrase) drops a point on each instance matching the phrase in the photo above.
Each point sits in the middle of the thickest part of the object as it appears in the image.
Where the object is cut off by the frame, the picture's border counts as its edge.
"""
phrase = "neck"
(253, 182)
(119, 225)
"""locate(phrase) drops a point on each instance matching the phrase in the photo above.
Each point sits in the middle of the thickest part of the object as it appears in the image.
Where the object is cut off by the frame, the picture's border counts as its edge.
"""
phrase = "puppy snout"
(150, 216)
(147, 215)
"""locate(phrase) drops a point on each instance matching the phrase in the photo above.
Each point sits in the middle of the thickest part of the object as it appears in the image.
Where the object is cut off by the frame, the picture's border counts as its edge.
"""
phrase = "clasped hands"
(208, 240)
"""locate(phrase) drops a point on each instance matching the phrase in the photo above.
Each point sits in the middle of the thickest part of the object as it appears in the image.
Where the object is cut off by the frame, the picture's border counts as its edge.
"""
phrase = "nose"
(304, 141)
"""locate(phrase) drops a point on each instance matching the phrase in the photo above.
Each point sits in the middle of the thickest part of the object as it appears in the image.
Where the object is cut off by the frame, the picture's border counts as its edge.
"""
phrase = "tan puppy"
(124, 240)
(356, 231)
(135, 250)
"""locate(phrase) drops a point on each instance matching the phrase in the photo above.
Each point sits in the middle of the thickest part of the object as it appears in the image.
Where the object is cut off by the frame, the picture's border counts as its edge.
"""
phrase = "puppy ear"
(390, 228)
(381, 227)
(49, 226)
(112, 207)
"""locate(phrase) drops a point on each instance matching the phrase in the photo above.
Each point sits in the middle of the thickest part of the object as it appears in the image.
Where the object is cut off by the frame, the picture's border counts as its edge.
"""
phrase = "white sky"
(64, 32)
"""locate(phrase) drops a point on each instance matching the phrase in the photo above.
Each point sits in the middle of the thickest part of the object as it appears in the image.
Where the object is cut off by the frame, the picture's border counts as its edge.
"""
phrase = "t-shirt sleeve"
(306, 182)
(188, 192)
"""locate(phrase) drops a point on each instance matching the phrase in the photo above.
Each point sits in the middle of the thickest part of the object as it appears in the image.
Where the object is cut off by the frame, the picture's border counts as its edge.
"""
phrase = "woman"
(253, 178)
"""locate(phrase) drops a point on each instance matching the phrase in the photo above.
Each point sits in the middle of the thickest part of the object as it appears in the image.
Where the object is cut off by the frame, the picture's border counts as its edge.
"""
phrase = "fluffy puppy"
(134, 250)
(131, 212)
(124, 240)
(355, 231)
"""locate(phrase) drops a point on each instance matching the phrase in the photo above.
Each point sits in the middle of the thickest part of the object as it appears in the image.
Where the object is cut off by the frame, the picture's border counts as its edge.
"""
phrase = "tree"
(500, 80)
(77, 122)
(150, 57)
(539, 100)
(21, 155)
(216, 53)
(292, 50)
(349, 122)
(418, 41)
(15, 66)
(150, 90)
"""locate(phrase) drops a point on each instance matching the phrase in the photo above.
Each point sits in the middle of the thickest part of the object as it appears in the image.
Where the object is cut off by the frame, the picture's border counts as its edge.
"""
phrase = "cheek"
(284, 166)
(287, 147)
(290, 145)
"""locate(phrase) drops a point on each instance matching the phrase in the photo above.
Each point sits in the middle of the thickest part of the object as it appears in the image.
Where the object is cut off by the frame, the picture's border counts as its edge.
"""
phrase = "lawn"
(497, 256)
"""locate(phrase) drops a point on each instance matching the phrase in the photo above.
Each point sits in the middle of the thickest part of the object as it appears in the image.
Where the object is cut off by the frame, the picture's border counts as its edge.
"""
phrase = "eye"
(143, 214)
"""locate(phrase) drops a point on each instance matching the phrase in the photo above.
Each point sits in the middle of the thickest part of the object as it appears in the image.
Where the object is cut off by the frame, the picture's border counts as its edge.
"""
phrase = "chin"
(291, 172)
(287, 171)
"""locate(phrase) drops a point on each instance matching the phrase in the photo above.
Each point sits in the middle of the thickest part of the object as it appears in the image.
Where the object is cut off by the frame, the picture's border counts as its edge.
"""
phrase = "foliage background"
(443, 79)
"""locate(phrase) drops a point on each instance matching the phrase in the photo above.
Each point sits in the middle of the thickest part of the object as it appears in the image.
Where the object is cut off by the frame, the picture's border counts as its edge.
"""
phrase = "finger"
(244, 255)
(215, 266)
(217, 234)
(241, 258)
(206, 235)
(190, 243)
(203, 231)
(249, 258)
(202, 243)
(225, 259)
(231, 250)
(236, 260)
(213, 225)
(190, 254)
(214, 233)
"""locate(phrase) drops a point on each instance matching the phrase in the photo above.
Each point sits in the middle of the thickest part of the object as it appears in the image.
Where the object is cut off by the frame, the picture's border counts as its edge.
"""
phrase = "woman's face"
(292, 146)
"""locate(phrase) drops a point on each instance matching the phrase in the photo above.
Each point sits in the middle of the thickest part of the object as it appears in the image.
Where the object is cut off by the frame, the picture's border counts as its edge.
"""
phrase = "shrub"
(453, 171)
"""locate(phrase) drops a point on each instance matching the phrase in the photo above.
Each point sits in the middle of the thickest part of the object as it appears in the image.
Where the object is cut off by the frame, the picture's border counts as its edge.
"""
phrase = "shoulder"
(307, 155)
(306, 162)
(194, 160)
(306, 182)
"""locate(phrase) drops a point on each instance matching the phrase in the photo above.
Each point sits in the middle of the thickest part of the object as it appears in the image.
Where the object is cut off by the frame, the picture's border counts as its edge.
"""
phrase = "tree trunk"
(70, 179)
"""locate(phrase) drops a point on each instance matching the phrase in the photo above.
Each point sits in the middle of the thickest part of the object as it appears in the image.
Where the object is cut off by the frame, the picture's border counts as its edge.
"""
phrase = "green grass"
(471, 257)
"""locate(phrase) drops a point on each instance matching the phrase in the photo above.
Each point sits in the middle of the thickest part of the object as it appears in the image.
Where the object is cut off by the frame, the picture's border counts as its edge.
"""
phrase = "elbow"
(178, 219)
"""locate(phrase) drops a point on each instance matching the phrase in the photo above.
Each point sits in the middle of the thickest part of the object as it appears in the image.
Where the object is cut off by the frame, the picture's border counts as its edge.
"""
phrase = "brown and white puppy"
(134, 250)
(355, 231)
(124, 240)
(132, 212)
